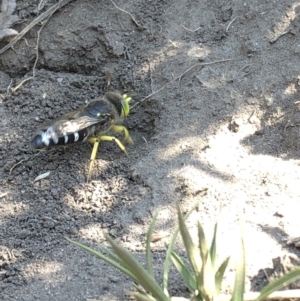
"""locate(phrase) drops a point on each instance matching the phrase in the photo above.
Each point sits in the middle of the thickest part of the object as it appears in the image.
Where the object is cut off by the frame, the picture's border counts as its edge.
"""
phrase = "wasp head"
(121, 102)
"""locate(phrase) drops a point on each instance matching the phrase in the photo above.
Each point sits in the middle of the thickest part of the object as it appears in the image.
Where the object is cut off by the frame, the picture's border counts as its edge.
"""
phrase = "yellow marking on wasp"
(125, 105)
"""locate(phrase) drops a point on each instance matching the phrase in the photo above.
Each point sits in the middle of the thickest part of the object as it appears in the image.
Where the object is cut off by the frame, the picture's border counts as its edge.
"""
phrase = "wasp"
(91, 122)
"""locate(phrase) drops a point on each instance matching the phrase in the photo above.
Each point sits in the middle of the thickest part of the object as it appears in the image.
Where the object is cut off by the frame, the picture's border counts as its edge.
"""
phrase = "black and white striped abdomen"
(49, 137)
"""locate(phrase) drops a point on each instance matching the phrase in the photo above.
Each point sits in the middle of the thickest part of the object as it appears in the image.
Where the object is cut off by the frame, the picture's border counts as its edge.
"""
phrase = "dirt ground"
(227, 120)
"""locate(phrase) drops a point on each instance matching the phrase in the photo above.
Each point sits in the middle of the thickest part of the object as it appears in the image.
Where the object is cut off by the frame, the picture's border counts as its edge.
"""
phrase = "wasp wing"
(67, 127)
(74, 121)
(70, 128)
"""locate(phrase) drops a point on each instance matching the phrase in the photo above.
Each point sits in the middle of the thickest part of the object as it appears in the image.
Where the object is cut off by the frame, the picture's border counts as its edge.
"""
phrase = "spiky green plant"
(204, 279)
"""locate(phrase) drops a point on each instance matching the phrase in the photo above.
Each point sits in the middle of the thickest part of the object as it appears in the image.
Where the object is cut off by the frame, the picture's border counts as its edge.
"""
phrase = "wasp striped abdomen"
(48, 137)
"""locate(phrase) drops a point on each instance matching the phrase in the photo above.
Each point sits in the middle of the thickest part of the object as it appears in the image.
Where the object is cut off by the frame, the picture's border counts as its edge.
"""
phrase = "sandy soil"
(227, 120)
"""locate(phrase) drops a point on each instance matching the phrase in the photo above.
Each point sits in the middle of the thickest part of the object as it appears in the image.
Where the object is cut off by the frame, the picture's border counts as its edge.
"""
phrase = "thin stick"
(227, 28)
(151, 94)
(179, 77)
(3, 195)
(41, 5)
(126, 12)
(173, 43)
(10, 171)
(190, 30)
(40, 18)
(36, 59)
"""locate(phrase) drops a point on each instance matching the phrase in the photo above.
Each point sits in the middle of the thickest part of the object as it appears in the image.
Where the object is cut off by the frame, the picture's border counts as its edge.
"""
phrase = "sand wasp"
(89, 123)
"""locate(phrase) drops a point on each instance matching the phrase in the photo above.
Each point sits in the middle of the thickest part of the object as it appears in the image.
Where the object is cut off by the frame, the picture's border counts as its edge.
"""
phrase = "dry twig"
(40, 18)
(173, 43)
(10, 171)
(190, 30)
(36, 58)
(126, 12)
(179, 77)
(229, 24)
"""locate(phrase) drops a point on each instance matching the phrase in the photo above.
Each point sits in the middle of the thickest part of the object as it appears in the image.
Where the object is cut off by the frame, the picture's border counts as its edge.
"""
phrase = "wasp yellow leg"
(120, 129)
(96, 143)
(112, 138)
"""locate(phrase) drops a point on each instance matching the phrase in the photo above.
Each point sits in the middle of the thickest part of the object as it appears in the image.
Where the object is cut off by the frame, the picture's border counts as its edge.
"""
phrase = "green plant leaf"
(141, 297)
(109, 252)
(192, 251)
(279, 283)
(208, 278)
(202, 242)
(219, 275)
(186, 275)
(166, 267)
(148, 248)
(213, 247)
(105, 258)
(141, 275)
(239, 284)
(142, 291)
